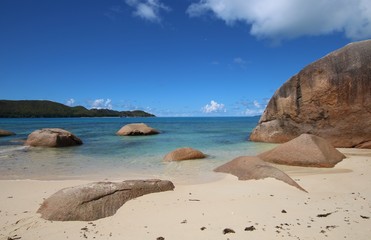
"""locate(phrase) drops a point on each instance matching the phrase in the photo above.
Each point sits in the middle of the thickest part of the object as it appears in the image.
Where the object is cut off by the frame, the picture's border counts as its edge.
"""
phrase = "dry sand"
(338, 206)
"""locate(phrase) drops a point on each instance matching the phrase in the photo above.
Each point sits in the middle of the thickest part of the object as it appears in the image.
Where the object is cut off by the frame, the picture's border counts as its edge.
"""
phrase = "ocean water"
(104, 155)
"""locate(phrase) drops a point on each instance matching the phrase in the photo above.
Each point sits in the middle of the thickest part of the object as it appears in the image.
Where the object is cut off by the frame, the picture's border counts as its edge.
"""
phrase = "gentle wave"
(12, 149)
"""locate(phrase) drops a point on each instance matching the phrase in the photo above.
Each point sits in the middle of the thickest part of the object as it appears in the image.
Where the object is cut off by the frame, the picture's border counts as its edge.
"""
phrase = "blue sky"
(168, 57)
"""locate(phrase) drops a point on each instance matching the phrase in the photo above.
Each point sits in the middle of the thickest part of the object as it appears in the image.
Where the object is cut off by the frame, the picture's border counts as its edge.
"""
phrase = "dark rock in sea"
(184, 154)
(5, 133)
(306, 150)
(97, 200)
(52, 137)
(135, 129)
(246, 168)
(330, 98)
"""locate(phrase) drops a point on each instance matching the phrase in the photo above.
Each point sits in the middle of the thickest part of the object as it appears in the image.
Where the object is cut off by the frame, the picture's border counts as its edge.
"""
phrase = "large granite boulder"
(52, 137)
(5, 133)
(246, 168)
(186, 153)
(135, 129)
(306, 151)
(97, 200)
(330, 98)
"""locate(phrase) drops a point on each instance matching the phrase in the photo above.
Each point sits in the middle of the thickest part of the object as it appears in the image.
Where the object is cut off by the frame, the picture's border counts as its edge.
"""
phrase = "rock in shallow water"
(184, 154)
(5, 133)
(97, 200)
(136, 129)
(52, 137)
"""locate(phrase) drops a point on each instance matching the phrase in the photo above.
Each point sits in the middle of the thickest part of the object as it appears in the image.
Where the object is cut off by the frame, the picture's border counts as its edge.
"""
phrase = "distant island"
(49, 109)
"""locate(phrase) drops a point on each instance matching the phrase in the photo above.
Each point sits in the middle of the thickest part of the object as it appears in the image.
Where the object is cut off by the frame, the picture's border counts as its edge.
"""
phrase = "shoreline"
(208, 174)
(337, 206)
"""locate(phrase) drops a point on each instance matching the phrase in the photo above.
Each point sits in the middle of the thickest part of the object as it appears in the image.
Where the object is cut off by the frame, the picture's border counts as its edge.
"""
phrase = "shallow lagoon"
(107, 156)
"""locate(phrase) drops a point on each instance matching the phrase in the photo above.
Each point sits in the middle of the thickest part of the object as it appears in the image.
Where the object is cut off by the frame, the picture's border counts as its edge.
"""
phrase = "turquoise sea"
(107, 156)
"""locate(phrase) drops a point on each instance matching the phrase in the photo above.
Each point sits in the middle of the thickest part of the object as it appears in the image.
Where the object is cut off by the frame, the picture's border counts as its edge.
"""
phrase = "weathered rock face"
(5, 133)
(52, 137)
(246, 168)
(97, 200)
(306, 151)
(184, 154)
(330, 98)
(135, 129)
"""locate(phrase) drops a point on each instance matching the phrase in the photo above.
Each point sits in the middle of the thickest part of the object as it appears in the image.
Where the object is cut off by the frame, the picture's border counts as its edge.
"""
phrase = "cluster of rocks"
(307, 150)
(56, 137)
(326, 105)
(102, 199)
(330, 99)
(95, 200)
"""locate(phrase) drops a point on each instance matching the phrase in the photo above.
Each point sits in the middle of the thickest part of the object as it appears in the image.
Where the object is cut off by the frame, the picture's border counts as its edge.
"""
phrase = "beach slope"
(337, 206)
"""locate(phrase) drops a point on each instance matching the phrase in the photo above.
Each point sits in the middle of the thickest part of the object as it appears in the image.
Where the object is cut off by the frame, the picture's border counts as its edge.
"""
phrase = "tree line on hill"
(49, 109)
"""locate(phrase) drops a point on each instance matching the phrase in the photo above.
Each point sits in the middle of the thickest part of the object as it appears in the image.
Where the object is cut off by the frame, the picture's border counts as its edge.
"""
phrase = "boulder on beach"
(330, 98)
(135, 129)
(52, 137)
(246, 168)
(97, 200)
(5, 133)
(307, 150)
(186, 153)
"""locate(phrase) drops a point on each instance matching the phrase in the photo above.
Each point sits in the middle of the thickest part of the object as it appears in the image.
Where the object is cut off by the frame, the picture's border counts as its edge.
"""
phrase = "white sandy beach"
(203, 211)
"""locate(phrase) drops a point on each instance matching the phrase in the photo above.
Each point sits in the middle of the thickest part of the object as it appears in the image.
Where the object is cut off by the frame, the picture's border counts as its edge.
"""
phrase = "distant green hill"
(49, 109)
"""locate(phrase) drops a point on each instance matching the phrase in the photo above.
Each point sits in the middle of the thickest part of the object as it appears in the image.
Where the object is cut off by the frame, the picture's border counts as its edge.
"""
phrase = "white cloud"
(102, 104)
(256, 104)
(287, 19)
(70, 102)
(240, 62)
(251, 108)
(214, 107)
(253, 112)
(148, 9)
